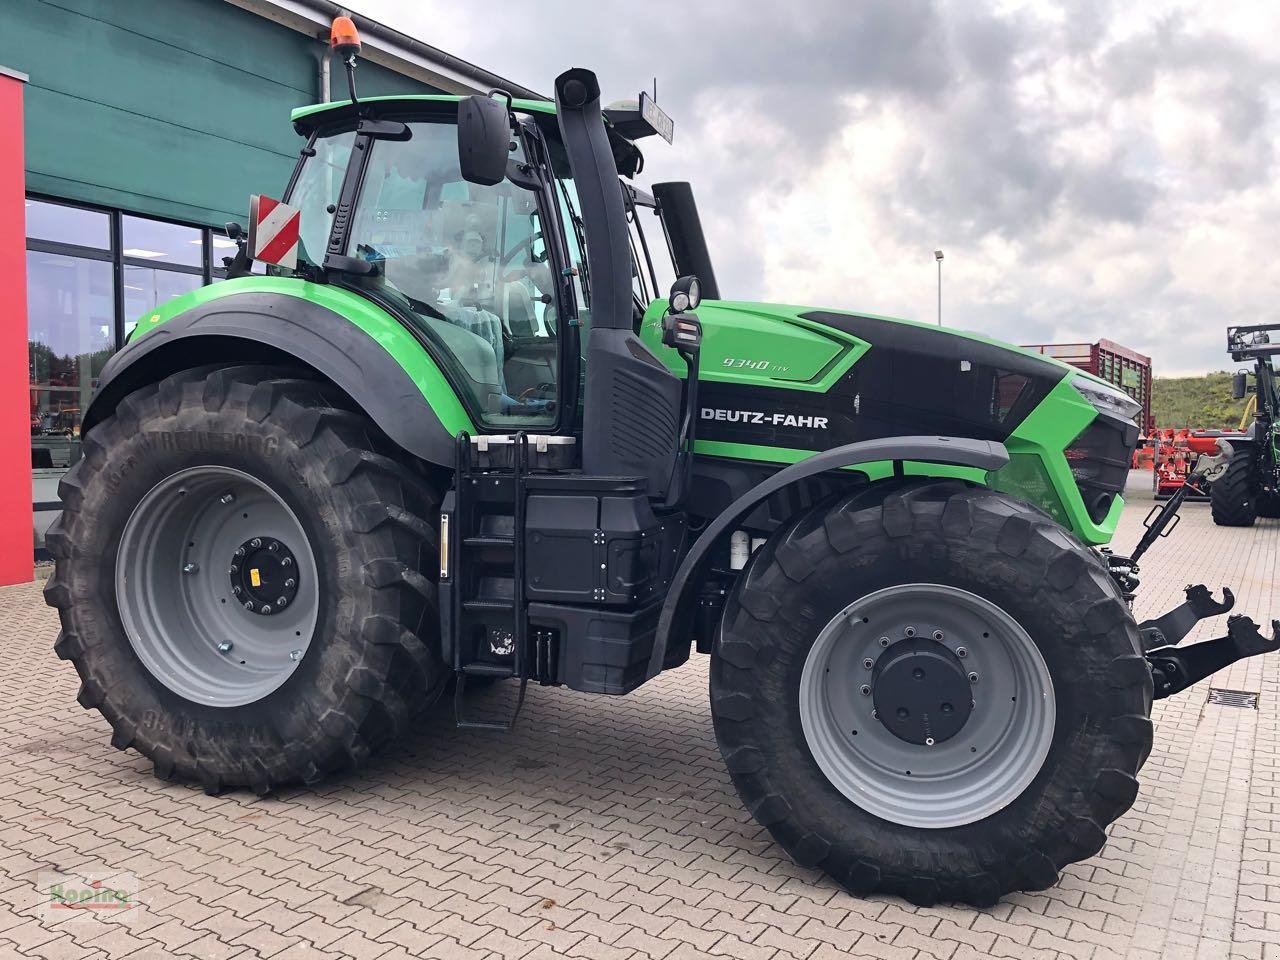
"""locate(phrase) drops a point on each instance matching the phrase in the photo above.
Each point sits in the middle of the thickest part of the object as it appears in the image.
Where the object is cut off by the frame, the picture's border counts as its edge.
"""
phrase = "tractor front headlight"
(1106, 398)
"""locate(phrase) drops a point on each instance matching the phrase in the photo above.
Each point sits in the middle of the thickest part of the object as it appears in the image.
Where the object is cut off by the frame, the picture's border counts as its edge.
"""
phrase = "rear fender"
(340, 335)
(677, 609)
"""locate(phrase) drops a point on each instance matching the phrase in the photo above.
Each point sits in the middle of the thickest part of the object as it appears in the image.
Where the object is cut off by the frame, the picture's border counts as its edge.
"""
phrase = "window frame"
(114, 255)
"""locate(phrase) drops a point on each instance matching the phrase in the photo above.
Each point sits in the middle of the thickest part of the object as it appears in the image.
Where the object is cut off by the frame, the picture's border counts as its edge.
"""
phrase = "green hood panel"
(760, 345)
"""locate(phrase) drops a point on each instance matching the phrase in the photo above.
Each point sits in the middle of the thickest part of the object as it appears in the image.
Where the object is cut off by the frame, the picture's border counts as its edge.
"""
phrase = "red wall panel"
(15, 402)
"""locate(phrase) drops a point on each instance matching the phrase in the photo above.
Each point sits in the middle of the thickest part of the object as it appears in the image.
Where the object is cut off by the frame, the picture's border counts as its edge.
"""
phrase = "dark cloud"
(1029, 129)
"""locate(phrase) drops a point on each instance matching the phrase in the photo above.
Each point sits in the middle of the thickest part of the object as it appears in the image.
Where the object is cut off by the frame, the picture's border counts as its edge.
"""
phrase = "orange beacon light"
(344, 39)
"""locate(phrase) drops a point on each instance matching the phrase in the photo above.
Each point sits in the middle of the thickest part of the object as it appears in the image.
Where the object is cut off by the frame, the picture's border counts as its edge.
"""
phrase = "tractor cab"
(493, 277)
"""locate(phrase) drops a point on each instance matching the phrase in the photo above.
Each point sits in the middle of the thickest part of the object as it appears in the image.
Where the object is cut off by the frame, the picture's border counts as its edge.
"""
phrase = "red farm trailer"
(1127, 369)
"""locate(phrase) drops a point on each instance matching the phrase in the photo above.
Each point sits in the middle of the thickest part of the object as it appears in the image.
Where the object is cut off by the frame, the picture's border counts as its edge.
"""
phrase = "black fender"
(952, 451)
(250, 327)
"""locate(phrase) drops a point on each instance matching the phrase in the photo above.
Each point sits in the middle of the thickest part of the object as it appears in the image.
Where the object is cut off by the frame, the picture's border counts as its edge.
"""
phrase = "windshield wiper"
(579, 231)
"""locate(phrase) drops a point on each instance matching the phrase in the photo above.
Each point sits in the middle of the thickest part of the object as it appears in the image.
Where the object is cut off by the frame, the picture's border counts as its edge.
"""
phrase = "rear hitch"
(1170, 629)
(1174, 670)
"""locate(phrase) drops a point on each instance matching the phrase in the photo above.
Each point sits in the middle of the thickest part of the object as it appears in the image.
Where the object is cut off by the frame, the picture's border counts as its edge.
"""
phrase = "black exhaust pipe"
(684, 231)
(631, 418)
(599, 196)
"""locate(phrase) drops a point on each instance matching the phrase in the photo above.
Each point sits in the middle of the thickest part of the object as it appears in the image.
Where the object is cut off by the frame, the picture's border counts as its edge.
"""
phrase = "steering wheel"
(526, 245)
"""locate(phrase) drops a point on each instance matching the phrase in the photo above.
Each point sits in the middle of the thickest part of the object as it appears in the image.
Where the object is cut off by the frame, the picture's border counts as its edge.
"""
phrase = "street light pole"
(937, 255)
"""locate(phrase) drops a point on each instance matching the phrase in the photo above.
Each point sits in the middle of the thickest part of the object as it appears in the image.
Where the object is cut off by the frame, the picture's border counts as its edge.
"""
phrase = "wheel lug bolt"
(884, 641)
(281, 601)
(266, 608)
(286, 562)
(295, 655)
(910, 631)
(928, 741)
(239, 551)
(937, 635)
(291, 583)
(224, 646)
(191, 568)
(962, 652)
(248, 605)
(256, 542)
(228, 498)
(866, 690)
(973, 678)
(236, 591)
(868, 663)
(273, 546)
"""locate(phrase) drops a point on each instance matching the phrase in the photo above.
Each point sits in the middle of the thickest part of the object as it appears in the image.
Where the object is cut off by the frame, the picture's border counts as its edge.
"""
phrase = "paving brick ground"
(606, 828)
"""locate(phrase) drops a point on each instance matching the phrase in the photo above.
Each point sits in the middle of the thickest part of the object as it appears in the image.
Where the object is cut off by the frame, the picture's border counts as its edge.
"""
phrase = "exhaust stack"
(631, 424)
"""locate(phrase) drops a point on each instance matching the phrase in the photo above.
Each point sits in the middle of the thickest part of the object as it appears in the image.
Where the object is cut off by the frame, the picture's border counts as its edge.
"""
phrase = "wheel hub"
(921, 691)
(190, 603)
(264, 575)
(861, 669)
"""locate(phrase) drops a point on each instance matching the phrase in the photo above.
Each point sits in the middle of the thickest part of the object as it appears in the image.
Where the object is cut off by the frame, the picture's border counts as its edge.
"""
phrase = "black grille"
(1100, 459)
(1246, 699)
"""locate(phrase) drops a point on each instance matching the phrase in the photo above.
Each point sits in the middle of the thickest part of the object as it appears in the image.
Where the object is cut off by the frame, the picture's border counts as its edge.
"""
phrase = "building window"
(91, 274)
(70, 334)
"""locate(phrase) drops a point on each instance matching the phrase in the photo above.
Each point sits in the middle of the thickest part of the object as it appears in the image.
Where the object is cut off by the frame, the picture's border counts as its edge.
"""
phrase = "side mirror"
(686, 294)
(1239, 385)
(484, 140)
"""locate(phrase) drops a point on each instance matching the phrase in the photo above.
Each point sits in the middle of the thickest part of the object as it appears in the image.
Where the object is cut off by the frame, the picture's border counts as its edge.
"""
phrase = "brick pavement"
(606, 828)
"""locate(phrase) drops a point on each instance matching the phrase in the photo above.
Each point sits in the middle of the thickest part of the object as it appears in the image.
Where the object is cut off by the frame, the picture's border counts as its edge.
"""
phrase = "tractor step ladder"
(489, 619)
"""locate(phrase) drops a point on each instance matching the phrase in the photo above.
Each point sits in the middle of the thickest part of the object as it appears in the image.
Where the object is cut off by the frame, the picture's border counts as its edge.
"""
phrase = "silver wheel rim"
(973, 774)
(177, 599)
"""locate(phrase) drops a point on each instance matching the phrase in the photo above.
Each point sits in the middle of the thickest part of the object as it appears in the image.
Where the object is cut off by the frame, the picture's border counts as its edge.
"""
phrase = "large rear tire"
(244, 575)
(1233, 498)
(978, 595)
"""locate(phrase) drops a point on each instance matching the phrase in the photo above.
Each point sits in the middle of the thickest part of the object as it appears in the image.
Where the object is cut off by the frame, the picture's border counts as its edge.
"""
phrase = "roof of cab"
(316, 111)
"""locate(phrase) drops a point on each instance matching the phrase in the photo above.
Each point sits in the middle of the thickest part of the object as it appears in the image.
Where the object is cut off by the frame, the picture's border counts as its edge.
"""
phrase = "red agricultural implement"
(1127, 369)
(1172, 454)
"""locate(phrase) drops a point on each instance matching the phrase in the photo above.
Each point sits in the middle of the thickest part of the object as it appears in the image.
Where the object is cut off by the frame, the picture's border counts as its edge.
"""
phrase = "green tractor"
(461, 439)
(1250, 486)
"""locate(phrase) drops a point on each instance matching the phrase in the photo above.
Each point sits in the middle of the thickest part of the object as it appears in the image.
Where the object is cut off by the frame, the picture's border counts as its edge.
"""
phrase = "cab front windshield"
(466, 263)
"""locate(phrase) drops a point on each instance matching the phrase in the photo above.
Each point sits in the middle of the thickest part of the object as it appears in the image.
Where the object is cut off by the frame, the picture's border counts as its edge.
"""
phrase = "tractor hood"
(803, 378)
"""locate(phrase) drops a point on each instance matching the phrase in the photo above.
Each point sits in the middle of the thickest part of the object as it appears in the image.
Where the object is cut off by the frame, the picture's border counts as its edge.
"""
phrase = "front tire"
(174, 580)
(1052, 615)
(1233, 497)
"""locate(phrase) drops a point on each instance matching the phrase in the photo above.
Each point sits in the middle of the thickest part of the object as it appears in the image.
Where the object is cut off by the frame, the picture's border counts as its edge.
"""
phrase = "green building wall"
(172, 108)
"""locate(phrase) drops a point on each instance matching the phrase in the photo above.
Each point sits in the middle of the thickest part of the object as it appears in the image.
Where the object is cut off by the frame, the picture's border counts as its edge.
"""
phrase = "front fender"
(364, 350)
(951, 451)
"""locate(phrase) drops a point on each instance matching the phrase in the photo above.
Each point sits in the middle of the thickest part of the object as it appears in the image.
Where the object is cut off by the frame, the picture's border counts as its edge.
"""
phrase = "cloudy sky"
(1091, 169)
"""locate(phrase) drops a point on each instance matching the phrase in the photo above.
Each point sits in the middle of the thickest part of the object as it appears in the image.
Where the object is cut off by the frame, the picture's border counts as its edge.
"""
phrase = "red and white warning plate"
(273, 231)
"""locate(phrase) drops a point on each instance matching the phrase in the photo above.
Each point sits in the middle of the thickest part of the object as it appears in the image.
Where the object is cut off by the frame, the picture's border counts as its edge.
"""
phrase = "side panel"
(1039, 443)
(814, 380)
(360, 347)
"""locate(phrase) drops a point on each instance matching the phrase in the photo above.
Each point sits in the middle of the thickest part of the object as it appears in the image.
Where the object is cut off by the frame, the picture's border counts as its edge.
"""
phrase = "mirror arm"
(690, 350)
(523, 175)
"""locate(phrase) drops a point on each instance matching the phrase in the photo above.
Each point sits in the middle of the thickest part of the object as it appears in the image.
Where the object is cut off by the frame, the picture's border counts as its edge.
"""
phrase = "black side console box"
(593, 540)
(597, 565)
